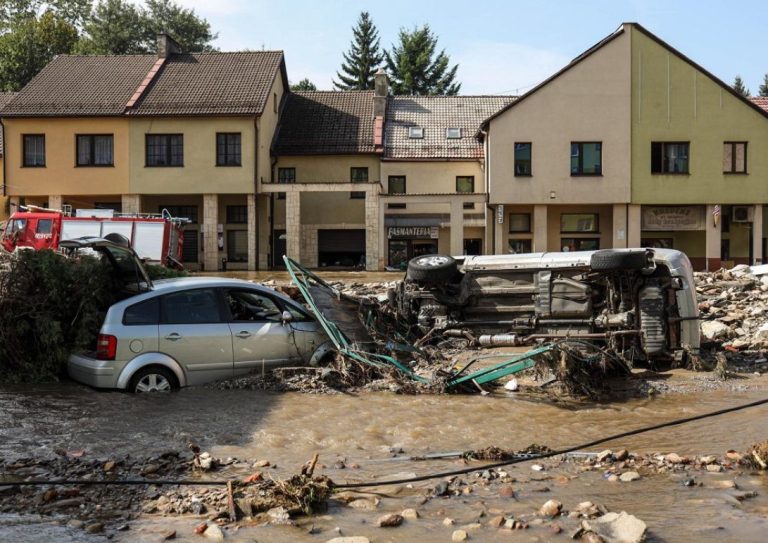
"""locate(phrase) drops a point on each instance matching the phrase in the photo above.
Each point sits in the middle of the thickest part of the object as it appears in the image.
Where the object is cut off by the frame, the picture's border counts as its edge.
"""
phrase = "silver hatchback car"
(194, 330)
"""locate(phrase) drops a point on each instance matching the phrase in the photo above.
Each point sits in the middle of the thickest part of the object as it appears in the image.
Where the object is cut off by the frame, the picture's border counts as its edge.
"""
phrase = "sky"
(501, 47)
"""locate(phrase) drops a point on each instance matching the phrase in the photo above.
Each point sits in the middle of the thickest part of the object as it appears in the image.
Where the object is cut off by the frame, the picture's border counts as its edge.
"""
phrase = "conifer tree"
(740, 87)
(763, 90)
(362, 59)
(415, 68)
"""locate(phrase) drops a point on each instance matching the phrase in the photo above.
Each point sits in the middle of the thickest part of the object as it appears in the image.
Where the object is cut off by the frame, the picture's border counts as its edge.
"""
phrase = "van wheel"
(432, 269)
(610, 260)
(153, 379)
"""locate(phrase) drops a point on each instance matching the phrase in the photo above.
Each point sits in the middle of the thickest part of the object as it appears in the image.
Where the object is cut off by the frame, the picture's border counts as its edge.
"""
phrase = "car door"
(195, 333)
(259, 336)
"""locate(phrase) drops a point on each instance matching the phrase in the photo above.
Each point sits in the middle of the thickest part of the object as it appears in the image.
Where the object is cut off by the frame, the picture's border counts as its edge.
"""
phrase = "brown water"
(288, 428)
(327, 275)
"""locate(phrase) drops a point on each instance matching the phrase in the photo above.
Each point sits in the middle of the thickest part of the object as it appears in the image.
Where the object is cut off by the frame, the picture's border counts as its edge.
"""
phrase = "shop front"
(406, 242)
(676, 227)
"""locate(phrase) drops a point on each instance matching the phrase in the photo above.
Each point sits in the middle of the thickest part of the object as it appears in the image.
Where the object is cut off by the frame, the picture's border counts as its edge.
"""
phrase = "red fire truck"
(156, 238)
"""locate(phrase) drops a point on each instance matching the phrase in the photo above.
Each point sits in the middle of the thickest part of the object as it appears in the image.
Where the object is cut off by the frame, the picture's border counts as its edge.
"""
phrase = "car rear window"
(146, 313)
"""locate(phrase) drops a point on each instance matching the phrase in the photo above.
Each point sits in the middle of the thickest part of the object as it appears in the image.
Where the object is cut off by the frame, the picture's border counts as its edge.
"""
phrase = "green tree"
(740, 87)
(304, 85)
(31, 42)
(363, 57)
(115, 27)
(763, 90)
(192, 32)
(415, 67)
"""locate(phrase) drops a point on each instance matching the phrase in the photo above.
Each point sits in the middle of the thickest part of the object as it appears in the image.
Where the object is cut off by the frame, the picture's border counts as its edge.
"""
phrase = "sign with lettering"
(660, 218)
(500, 213)
(413, 232)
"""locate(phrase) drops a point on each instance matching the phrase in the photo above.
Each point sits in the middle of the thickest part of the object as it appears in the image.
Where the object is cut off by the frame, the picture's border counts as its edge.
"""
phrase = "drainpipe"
(5, 179)
(273, 163)
(256, 185)
(487, 178)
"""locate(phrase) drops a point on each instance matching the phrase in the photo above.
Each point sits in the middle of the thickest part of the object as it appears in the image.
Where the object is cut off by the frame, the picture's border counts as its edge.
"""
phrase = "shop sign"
(500, 214)
(660, 218)
(413, 232)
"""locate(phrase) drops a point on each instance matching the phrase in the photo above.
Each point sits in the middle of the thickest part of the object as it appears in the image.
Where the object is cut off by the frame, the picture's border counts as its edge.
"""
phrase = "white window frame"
(416, 132)
(453, 133)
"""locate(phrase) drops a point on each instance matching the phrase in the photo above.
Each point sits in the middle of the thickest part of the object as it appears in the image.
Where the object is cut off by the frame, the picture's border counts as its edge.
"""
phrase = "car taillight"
(106, 347)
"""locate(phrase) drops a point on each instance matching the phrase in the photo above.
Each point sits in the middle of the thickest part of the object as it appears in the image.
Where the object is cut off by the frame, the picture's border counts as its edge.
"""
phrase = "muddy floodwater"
(371, 429)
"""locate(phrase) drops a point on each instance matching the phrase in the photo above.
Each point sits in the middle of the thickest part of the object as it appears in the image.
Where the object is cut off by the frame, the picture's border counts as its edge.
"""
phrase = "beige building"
(190, 133)
(5, 97)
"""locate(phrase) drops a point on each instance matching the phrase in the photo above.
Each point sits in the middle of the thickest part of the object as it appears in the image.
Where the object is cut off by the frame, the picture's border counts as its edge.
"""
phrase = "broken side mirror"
(287, 317)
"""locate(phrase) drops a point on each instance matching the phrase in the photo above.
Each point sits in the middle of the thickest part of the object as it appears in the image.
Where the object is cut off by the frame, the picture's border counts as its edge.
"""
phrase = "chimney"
(167, 46)
(380, 93)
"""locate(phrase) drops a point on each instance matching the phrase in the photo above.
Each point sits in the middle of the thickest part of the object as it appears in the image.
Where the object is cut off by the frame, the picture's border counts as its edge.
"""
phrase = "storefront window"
(578, 222)
(580, 244)
(520, 222)
(657, 243)
(237, 245)
(520, 246)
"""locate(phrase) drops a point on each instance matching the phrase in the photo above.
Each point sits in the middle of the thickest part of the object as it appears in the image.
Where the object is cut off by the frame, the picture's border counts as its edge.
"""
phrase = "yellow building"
(5, 97)
(190, 133)
(630, 144)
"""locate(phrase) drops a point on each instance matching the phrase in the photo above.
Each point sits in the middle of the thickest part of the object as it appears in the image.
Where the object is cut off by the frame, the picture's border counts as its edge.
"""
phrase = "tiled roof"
(72, 85)
(211, 84)
(330, 123)
(760, 101)
(436, 114)
(187, 84)
(5, 97)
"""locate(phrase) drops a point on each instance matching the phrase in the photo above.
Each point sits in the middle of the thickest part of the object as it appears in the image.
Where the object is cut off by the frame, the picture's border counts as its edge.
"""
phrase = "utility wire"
(406, 480)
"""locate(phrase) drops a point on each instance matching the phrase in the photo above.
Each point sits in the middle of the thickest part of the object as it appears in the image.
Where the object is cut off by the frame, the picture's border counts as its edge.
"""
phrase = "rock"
(75, 523)
(714, 468)
(448, 521)
(613, 478)
(459, 535)
(673, 458)
(591, 537)
(617, 528)
(364, 504)
(392, 520)
(109, 466)
(629, 476)
(604, 455)
(150, 469)
(709, 459)
(410, 514)
(349, 539)
(537, 467)
(441, 489)
(511, 385)
(714, 329)
(551, 508)
(170, 534)
(95, 528)
(279, 515)
(214, 533)
(204, 461)
(621, 455)
(507, 491)
(261, 464)
(497, 522)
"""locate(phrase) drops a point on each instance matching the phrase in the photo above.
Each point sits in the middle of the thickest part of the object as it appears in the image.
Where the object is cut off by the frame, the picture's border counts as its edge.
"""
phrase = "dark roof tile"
(5, 97)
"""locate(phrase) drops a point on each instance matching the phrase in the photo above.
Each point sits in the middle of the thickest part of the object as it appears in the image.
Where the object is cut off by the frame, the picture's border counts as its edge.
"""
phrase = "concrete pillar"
(619, 226)
(488, 248)
(251, 202)
(209, 228)
(457, 227)
(131, 203)
(713, 238)
(263, 231)
(540, 227)
(383, 239)
(293, 225)
(634, 225)
(373, 222)
(757, 235)
(55, 201)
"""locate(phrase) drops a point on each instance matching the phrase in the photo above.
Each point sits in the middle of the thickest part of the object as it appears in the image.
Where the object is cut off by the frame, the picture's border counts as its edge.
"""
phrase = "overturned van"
(641, 303)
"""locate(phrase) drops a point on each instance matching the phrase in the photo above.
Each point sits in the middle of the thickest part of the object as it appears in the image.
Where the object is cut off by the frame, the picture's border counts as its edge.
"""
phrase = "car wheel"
(153, 379)
(432, 269)
(610, 260)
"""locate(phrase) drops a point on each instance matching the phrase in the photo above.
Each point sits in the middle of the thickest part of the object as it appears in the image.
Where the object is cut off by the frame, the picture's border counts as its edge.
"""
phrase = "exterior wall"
(267, 123)
(4, 201)
(199, 174)
(589, 103)
(60, 174)
(672, 101)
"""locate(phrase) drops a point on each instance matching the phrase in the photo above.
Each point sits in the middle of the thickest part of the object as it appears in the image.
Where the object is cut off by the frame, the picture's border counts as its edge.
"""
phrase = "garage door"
(332, 241)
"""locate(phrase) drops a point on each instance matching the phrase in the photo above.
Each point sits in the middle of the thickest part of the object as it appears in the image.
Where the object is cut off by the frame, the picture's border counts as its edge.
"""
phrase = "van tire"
(432, 269)
(144, 377)
(611, 260)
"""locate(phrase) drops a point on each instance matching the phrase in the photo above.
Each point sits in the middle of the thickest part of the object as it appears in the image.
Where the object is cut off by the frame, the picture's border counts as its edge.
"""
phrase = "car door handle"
(243, 334)
(173, 337)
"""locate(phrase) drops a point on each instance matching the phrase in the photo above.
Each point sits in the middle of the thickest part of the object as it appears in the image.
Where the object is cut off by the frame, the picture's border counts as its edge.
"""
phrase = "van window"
(44, 226)
(199, 306)
(143, 313)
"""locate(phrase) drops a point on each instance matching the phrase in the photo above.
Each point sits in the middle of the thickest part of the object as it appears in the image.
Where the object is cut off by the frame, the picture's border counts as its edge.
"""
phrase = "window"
(199, 306)
(735, 157)
(34, 150)
(580, 244)
(396, 185)
(44, 226)
(165, 149)
(586, 158)
(250, 306)
(657, 243)
(520, 222)
(95, 150)
(358, 175)
(143, 313)
(237, 245)
(285, 175)
(578, 222)
(469, 205)
(453, 133)
(520, 246)
(237, 214)
(228, 151)
(669, 157)
(416, 132)
(523, 159)
(183, 212)
(465, 183)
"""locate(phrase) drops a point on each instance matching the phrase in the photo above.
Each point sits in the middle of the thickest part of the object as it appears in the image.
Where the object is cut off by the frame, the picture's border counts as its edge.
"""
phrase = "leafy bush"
(50, 306)
(160, 272)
